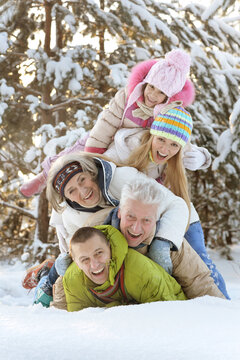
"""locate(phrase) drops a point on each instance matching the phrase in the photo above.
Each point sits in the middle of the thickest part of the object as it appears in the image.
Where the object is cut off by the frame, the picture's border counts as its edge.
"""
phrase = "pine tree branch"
(21, 167)
(27, 90)
(72, 101)
(17, 208)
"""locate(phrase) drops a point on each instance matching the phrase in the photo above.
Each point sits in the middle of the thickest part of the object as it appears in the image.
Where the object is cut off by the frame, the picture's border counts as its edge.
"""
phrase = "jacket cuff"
(94, 150)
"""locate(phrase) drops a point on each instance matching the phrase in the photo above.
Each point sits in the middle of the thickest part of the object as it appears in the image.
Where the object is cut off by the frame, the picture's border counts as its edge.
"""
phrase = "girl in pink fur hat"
(154, 86)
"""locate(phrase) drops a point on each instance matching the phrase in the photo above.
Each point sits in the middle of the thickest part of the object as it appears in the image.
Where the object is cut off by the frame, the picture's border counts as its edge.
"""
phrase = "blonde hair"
(175, 179)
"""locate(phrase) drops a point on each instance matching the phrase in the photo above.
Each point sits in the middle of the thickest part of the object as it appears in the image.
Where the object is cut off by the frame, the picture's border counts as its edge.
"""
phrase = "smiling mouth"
(99, 272)
(135, 236)
(161, 156)
(88, 195)
(151, 101)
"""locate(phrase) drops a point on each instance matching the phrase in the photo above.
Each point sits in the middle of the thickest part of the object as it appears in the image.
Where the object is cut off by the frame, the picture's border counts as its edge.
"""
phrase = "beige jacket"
(111, 119)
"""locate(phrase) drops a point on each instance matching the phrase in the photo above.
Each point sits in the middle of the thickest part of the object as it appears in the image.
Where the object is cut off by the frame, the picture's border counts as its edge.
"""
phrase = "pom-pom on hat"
(175, 125)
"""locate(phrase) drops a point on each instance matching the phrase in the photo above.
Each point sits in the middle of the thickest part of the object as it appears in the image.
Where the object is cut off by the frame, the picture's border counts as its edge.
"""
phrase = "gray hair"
(88, 165)
(143, 189)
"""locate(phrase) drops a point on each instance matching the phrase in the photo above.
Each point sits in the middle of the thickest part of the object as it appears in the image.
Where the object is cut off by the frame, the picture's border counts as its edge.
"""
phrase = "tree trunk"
(43, 219)
(46, 117)
(101, 36)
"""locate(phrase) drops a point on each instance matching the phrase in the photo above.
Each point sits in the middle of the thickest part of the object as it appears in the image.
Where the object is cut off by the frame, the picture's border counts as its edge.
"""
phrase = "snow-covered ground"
(204, 328)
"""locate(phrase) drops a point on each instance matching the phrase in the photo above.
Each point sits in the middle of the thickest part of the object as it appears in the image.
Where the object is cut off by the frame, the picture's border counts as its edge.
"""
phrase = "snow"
(34, 103)
(118, 75)
(5, 91)
(3, 42)
(234, 116)
(64, 69)
(223, 148)
(139, 14)
(203, 328)
(212, 9)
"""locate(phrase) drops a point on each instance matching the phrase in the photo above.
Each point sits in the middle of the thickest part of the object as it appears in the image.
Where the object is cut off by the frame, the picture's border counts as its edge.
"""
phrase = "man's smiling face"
(137, 221)
(93, 257)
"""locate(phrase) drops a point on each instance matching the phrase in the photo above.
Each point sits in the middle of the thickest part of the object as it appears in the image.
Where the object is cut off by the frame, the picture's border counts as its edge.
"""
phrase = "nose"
(136, 226)
(82, 191)
(164, 147)
(153, 94)
(94, 264)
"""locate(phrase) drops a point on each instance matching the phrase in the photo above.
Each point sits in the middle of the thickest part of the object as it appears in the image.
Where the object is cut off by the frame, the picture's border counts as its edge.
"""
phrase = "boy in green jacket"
(106, 273)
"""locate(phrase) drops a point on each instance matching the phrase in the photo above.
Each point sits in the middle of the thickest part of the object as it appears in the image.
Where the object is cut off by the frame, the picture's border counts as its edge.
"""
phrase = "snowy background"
(204, 328)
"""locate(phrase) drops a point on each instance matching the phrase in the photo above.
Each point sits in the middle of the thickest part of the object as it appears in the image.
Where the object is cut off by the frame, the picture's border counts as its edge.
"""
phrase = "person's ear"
(119, 214)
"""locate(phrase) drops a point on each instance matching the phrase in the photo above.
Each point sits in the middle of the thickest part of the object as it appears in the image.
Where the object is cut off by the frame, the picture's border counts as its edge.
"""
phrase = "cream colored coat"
(110, 120)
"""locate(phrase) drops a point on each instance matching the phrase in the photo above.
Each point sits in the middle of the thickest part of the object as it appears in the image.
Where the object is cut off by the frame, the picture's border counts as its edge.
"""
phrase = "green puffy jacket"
(144, 280)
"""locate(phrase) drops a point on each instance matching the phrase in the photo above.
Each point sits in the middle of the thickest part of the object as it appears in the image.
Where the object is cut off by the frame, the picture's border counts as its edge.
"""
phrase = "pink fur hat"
(168, 75)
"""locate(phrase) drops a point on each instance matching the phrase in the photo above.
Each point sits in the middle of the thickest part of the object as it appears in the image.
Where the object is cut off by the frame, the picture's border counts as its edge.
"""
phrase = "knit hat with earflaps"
(168, 75)
(175, 125)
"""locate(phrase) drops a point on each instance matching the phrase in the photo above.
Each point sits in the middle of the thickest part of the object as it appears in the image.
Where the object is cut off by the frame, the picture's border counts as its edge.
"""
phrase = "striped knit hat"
(176, 125)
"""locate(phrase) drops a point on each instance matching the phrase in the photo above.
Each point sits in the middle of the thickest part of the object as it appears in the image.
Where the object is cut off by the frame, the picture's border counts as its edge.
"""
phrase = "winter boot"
(43, 292)
(34, 186)
(35, 273)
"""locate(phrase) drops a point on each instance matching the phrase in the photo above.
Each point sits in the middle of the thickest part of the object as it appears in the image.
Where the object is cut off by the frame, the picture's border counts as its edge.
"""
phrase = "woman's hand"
(194, 159)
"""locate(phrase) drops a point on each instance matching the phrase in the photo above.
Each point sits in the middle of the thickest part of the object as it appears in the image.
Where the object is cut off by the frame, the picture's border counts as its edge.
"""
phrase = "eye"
(161, 140)
(129, 217)
(72, 191)
(175, 145)
(147, 221)
(85, 261)
(99, 253)
(82, 179)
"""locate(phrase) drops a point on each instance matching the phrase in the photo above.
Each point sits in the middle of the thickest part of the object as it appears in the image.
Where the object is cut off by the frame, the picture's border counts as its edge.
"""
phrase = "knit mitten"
(160, 253)
(62, 263)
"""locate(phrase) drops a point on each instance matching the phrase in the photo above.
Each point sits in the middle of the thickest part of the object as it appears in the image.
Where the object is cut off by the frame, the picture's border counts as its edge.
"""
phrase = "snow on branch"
(211, 10)
(234, 116)
(19, 209)
(3, 42)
